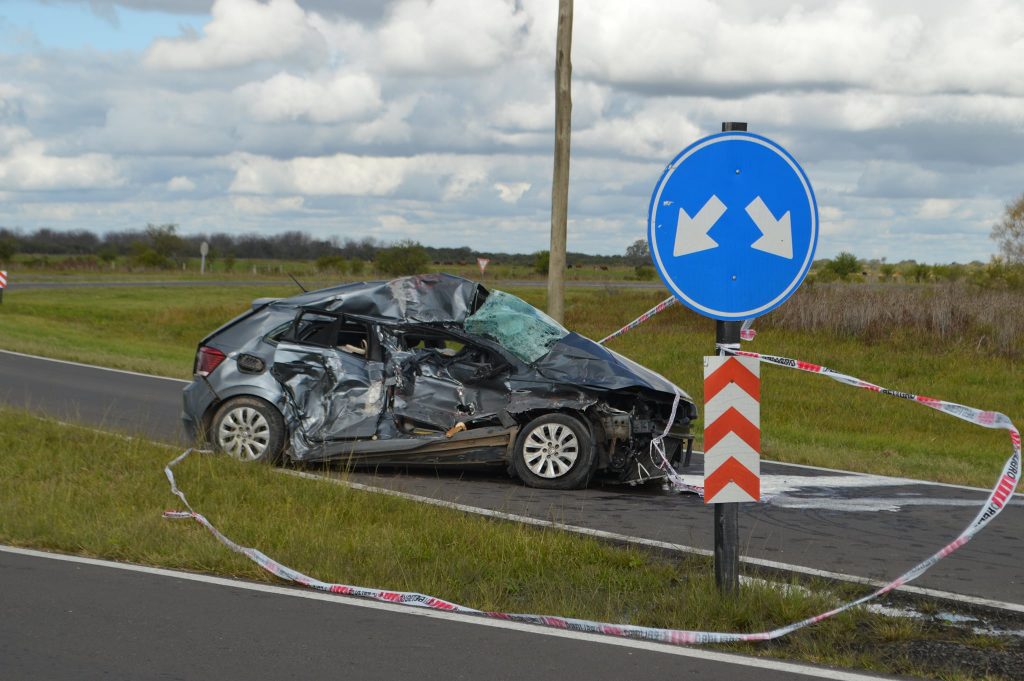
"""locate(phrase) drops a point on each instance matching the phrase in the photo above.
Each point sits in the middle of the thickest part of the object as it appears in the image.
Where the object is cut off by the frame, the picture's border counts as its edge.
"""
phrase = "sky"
(433, 120)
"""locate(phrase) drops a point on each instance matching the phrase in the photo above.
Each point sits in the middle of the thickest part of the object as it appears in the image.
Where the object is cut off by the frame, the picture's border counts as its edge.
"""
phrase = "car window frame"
(287, 334)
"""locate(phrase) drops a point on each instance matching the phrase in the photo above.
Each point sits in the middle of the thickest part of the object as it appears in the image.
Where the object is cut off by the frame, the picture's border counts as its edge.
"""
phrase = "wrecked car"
(430, 370)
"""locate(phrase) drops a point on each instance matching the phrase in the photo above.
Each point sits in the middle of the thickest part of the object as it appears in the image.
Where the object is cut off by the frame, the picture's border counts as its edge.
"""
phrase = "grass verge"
(805, 419)
(82, 491)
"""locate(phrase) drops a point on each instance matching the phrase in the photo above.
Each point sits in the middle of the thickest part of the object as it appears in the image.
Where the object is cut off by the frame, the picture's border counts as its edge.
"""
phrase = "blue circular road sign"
(733, 225)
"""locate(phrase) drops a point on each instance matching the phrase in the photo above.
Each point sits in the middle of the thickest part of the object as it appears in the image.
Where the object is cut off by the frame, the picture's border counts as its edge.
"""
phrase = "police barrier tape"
(746, 333)
(992, 507)
(663, 305)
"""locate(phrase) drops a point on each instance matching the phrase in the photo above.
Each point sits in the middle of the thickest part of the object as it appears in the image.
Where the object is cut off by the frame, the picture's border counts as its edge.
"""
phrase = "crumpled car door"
(440, 390)
(330, 394)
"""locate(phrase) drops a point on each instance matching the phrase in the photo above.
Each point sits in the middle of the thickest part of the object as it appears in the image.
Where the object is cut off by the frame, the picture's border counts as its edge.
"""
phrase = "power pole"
(560, 178)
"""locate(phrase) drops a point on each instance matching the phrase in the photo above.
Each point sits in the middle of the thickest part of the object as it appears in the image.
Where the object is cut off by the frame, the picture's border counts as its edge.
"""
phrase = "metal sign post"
(204, 250)
(732, 229)
(727, 516)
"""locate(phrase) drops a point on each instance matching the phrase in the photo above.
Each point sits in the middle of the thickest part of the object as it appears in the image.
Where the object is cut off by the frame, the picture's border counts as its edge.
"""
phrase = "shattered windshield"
(521, 328)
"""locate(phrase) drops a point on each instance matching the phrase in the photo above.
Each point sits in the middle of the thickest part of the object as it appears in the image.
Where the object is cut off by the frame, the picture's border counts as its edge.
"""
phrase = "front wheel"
(248, 429)
(554, 451)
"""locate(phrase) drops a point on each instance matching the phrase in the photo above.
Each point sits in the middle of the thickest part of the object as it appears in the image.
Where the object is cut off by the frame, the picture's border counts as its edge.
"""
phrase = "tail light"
(208, 359)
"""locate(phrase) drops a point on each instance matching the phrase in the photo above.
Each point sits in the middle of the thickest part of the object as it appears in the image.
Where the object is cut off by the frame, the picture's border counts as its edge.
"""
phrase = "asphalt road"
(79, 621)
(856, 525)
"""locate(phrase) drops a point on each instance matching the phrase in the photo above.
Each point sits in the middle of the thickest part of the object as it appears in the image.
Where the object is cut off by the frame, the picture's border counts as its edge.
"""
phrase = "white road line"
(652, 543)
(698, 653)
(93, 366)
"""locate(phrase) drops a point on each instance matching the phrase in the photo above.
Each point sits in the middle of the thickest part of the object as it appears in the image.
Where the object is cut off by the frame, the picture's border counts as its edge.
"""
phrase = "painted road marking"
(762, 663)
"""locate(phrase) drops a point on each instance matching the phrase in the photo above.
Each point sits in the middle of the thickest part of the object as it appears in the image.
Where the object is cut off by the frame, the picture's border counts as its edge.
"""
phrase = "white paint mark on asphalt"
(826, 492)
(698, 653)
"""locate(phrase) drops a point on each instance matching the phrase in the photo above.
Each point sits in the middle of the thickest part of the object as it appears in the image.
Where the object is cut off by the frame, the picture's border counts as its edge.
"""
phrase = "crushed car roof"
(426, 298)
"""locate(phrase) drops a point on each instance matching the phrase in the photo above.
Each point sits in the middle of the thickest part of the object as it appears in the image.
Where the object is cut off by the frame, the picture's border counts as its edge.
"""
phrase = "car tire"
(248, 429)
(554, 451)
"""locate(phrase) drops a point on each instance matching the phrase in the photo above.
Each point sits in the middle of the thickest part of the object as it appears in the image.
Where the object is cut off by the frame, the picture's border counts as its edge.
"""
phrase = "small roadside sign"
(204, 250)
(732, 436)
(733, 226)
(3, 284)
(482, 264)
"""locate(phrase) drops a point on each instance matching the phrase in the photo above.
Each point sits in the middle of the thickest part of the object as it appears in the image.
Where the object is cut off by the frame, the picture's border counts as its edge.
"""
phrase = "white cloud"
(27, 167)
(659, 130)
(240, 32)
(341, 174)
(339, 97)
(511, 192)
(180, 183)
(258, 205)
(932, 209)
(449, 36)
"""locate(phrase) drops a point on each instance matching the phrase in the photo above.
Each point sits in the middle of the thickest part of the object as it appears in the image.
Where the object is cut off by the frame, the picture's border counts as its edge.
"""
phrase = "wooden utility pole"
(560, 178)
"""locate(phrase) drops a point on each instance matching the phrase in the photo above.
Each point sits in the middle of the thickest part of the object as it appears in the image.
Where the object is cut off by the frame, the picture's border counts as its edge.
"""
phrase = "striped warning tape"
(663, 305)
(1003, 490)
(746, 333)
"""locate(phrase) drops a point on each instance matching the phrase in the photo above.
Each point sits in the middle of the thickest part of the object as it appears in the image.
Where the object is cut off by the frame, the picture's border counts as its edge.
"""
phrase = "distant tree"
(108, 254)
(405, 257)
(7, 249)
(164, 241)
(638, 253)
(541, 260)
(1009, 232)
(843, 265)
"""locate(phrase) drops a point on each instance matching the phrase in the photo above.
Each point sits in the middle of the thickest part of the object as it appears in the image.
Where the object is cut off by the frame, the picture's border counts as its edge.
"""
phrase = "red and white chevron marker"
(732, 430)
(3, 279)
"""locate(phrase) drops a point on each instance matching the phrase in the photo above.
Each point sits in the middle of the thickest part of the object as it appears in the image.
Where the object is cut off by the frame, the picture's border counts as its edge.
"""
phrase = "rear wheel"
(554, 451)
(248, 429)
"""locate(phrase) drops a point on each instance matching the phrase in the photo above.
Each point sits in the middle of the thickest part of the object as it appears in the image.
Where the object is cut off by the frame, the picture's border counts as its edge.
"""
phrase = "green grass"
(81, 491)
(805, 419)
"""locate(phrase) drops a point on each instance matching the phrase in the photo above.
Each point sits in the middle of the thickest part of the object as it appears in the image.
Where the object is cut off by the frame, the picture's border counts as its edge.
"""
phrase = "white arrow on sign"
(692, 233)
(776, 235)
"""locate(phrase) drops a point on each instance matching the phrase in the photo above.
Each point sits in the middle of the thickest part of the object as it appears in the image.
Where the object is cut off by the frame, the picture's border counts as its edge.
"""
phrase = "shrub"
(843, 265)
(541, 261)
(644, 272)
(331, 263)
(404, 258)
(7, 250)
(150, 259)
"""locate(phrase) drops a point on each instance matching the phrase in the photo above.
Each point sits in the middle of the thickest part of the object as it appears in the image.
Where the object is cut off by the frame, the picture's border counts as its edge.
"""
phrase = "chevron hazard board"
(732, 430)
(3, 279)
